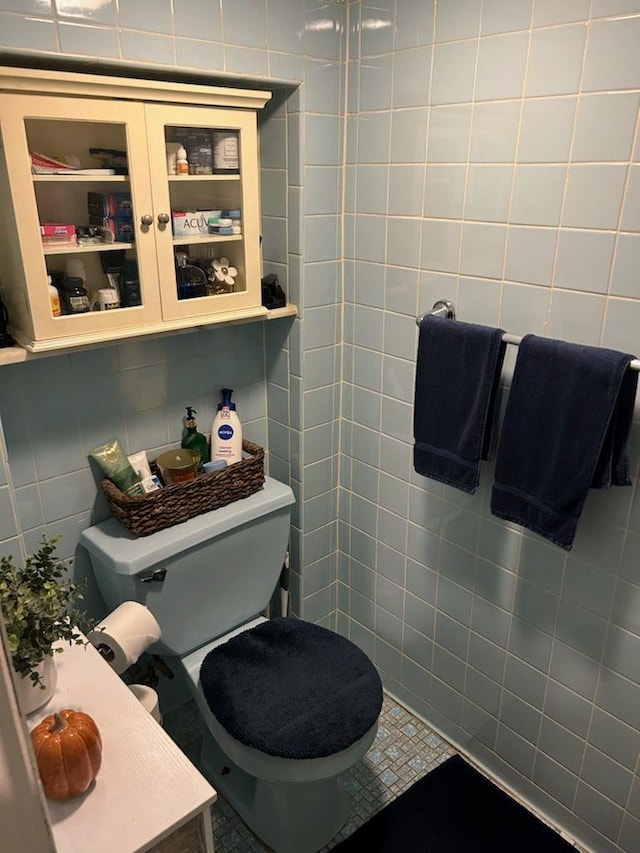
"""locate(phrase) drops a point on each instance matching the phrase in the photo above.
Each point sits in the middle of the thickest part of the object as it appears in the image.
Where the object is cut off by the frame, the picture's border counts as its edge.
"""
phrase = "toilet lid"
(292, 689)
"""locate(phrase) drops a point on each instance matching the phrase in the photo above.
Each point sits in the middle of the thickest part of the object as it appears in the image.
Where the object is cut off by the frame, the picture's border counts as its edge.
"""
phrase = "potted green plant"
(38, 607)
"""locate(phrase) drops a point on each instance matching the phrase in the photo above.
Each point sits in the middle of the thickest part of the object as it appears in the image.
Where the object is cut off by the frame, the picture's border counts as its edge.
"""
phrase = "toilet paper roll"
(148, 698)
(128, 632)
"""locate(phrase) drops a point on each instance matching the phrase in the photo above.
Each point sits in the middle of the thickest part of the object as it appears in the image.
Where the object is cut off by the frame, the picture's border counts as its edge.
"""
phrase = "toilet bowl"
(289, 706)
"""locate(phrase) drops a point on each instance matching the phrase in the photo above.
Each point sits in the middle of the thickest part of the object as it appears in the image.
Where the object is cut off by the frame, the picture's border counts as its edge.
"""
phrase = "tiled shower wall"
(493, 159)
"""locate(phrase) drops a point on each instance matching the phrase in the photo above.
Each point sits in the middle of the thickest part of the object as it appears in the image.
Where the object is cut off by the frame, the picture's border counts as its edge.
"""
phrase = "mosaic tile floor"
(404, 750)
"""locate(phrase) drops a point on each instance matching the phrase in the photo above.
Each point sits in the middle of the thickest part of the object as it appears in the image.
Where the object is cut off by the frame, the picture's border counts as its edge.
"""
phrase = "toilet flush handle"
(156, 575)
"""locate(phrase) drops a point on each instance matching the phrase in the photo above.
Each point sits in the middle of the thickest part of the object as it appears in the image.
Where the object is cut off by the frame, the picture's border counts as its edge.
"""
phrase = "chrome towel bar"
(446, 309)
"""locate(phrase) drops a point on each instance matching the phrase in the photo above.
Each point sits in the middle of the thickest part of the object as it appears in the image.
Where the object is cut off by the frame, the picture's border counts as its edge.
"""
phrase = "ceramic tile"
(488, 193)
(408, 135)
(27, 7)
(459, 19)
(88, 41)
(34, 34)
(483, 249)
(414, 23)
(147, 47)
(548, 12)
(504, 16)
(440, 245)
(625, 280)
(412, 76)
(576, 317)
(584, 260)
(198, 19)
(375, 78)
(597, 114)
(594, 196)
(444, 191)
(501, 66)
(530, 254)
(449, 133)
(537, 195)
(453, 72)
(204, 55)
(377, 28)
(147, 15)
(403, 241)
(405, 190)
(494, 132)
(547, 125)
(96, 11)
(555, 60)
(246, 60)
(631, 211)
(612, 61)
(244, 22)
(373, 137)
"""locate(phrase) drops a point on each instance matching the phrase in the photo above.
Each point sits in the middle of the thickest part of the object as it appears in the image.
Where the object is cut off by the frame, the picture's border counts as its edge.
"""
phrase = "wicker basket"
(149, 513)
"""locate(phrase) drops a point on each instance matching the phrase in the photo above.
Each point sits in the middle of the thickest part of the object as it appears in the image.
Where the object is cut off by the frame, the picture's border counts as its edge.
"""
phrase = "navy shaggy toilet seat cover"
(292, 689)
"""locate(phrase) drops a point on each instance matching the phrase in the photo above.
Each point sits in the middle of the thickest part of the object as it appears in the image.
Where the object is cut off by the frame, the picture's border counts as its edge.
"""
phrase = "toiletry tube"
(140, 464)
(125, 634)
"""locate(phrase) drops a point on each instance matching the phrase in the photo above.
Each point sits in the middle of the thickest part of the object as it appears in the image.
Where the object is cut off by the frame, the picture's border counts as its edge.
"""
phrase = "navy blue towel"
(457, 375)
(566, 428)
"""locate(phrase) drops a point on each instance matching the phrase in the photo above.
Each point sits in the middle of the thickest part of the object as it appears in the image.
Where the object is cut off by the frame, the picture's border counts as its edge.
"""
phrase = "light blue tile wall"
(499, 171)
(523, 654)
(138, 391)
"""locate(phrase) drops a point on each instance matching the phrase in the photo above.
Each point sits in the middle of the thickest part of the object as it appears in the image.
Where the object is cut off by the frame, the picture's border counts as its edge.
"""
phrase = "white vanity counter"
(146, 788)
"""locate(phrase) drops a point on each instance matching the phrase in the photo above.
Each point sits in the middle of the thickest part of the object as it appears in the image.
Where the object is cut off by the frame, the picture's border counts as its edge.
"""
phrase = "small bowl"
(178, 466)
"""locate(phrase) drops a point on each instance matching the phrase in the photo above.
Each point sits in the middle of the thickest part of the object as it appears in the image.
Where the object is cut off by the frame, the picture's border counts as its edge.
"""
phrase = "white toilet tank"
(201, 578)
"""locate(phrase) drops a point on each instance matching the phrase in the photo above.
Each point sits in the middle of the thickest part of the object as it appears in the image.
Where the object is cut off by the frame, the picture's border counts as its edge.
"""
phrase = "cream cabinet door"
(73, 127)
(186, 206)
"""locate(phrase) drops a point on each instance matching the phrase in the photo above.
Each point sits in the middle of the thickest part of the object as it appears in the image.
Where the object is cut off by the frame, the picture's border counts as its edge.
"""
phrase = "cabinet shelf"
(181, 179)
(76, 179)
(214, 238)
(96, 247)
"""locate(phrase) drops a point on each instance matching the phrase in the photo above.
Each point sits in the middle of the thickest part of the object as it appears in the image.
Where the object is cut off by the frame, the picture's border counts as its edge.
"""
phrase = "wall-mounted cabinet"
(152, 249)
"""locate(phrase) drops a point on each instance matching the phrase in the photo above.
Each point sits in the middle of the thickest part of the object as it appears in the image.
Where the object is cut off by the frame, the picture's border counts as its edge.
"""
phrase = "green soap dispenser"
(194, 440)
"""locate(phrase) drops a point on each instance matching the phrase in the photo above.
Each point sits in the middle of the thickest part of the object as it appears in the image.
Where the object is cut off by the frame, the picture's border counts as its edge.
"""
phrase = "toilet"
(289, 706)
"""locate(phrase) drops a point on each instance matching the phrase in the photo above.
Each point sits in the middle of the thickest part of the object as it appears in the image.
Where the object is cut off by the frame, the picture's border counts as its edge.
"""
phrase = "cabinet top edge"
(39, 81)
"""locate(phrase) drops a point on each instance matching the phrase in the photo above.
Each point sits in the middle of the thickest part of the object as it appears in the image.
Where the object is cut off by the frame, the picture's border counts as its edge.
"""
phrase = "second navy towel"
(457, 374)
(566, 428)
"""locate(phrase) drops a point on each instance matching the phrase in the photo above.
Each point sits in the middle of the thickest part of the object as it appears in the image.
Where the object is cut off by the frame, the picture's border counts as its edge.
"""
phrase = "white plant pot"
(31, 696)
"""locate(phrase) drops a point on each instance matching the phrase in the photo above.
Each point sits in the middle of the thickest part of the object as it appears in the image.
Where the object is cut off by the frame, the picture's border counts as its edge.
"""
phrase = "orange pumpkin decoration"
(68, 750)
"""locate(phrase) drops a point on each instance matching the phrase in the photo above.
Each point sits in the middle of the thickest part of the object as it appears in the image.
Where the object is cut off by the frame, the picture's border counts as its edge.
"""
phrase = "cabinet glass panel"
(205, 198)
(80, 175)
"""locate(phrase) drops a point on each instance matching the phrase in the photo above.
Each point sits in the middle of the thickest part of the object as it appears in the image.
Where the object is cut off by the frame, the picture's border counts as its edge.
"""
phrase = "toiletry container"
(74, 296)
(226, 431)
(182, 164)
(54, 298)
(194, 440)
(289, 706)
(191, 280)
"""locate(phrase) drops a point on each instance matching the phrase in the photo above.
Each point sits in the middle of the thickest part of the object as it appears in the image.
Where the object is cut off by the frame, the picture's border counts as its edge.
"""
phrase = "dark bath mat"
(454, 809)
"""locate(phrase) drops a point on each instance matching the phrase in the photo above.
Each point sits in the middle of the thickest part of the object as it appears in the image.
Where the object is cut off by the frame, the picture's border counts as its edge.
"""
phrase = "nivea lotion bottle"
(226, 431)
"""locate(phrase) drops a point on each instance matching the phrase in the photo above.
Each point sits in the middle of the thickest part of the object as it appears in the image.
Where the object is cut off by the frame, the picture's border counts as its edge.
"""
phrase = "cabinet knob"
(163, 218)
(147, 219)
